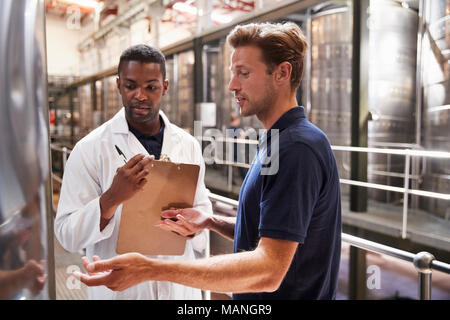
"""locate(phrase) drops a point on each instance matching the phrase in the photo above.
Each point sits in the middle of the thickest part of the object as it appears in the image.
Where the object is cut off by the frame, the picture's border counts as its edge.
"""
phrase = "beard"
(141, 113)
(264, 103)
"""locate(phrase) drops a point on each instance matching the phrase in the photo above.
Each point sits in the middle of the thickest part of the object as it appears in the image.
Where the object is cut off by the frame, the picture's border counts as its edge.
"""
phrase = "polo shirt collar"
(290, 117)
(286, 120)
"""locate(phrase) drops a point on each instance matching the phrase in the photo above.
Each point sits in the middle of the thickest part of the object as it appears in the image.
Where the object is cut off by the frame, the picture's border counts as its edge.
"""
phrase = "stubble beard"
(261, 105)
(153, 112)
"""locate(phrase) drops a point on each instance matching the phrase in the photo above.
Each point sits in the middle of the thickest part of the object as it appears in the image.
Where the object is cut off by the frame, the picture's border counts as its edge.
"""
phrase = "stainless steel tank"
(178, 103)
(112, 98)
(436, 103)
(86, 121)
(169, 102)
(185, 88)
(331, 82)
(392, 90)
(24, 151)
(392, 45)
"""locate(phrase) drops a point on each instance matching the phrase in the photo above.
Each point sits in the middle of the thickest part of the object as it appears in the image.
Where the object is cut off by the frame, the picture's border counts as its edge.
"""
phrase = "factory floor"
(67, 288)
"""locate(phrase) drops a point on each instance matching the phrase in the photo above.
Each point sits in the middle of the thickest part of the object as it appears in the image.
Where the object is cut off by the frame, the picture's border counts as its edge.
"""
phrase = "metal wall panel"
(24, 151)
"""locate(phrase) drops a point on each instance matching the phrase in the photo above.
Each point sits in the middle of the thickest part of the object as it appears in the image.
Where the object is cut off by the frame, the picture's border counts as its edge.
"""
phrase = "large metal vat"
(436, 108)
(24, 152)
(330, 78)
(178, 103)
(392, 47)
(392, 90)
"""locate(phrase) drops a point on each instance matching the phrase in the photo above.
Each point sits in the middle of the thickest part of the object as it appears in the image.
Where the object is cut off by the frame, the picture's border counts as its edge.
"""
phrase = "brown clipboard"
(168, 185)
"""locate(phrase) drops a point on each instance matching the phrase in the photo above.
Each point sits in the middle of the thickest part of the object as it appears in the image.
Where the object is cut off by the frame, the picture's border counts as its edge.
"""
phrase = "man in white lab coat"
(96, 182)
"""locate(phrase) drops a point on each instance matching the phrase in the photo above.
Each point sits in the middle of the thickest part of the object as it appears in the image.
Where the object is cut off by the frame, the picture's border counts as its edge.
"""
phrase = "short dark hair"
(143, 53)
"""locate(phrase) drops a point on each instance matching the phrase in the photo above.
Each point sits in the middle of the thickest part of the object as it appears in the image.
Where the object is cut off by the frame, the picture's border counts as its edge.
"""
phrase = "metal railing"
(406, 190)
(406, 175)
(424, 262)
(65, 154)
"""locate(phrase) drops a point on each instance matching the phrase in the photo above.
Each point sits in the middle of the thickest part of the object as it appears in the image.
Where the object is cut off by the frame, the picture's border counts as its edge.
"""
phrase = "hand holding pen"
(129, 179)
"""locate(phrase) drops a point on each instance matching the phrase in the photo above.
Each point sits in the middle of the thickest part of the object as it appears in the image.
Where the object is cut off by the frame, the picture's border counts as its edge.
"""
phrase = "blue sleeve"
(288, 197)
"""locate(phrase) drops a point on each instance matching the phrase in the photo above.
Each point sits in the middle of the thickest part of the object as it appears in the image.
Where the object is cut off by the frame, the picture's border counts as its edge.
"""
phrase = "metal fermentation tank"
(25, 232)
(436, 103)
(392, 47)
(392, 91)
(331, 82)
(178, 103)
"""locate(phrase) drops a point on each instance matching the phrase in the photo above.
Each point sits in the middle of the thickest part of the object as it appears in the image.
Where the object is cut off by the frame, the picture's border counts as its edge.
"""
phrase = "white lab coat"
(89, 172)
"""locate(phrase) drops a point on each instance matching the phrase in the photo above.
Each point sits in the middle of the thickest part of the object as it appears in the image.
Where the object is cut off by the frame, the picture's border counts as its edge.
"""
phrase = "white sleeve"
(201, 200)
(77, 222)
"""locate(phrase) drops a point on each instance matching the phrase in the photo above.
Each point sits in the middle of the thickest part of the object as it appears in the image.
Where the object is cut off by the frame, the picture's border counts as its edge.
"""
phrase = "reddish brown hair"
(278, 42)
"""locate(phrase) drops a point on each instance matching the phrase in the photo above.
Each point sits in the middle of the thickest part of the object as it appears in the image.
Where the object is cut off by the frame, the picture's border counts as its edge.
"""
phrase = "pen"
(121, 154)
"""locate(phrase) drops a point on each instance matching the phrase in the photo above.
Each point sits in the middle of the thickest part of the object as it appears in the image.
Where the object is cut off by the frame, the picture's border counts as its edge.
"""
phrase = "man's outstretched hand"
(118, 273)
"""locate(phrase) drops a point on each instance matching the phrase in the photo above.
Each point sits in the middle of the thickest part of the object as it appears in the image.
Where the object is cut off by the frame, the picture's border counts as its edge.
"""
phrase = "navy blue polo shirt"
(299, 202)
(153, 144)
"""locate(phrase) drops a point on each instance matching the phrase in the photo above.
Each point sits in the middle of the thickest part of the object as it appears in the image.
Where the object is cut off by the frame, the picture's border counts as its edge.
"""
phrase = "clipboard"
(169, 185)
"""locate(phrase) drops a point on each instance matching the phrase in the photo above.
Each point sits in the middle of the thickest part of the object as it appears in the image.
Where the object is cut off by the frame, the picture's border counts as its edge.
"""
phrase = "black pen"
(121, 154)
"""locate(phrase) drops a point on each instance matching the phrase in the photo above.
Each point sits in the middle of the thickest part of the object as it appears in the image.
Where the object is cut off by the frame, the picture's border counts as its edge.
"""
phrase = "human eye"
(244, 73)
(152, 88)
(130, 86)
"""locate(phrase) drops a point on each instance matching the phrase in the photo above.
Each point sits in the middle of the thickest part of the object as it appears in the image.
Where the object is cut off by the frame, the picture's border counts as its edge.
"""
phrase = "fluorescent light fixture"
(220, 18)
(84, 3)
(187, 8)
(184, 7)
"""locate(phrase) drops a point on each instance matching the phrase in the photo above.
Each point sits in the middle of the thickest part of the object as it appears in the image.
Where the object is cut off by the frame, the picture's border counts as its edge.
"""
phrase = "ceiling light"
(221, 18)
(92, 4)
(184, 7)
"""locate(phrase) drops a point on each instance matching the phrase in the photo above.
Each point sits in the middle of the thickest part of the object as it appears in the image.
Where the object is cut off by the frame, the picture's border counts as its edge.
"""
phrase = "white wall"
(62, 40)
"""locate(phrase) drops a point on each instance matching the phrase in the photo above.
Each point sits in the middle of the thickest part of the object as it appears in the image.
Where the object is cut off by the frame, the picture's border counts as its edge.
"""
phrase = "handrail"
(411, 152)
(408, 153)
(430, 194)
(216, 197)
(406, 190)
(65, 153)
(378, 248)
(358, 242)
(404, 152)
(61, 149)
(424, 262)
(421, 153)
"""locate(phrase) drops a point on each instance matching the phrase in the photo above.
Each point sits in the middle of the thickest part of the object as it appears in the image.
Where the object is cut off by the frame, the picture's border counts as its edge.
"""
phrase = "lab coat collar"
(171, 137)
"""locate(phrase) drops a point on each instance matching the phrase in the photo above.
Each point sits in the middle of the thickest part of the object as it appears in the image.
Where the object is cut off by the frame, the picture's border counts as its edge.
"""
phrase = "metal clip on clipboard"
(165, 157)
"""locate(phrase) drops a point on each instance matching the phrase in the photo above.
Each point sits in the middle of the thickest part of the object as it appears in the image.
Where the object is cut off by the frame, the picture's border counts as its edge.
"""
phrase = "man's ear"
(118, 83)
(283, 72)
(165, 86)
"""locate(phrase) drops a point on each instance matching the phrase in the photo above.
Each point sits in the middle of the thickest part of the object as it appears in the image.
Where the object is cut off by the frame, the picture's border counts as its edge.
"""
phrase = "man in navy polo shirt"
(287, 233)
(300, 204)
